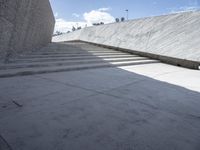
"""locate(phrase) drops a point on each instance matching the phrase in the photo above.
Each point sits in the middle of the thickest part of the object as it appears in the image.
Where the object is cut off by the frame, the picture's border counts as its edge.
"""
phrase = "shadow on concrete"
(59, 57)
(95, 109)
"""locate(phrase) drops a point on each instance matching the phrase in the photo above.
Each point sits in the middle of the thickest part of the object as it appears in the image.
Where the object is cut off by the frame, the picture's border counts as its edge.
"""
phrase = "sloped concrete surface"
(150, 106)
(173, 75)
(144, 107)
(175, 36)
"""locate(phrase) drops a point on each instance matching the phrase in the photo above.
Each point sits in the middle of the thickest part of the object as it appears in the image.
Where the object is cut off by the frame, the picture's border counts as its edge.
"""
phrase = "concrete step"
(68, 58)
(40, 70)
(71, 52)
(73, 55)
(68, 62)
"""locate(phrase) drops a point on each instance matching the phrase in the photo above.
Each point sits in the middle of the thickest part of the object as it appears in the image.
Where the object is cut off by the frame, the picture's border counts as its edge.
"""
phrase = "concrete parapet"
(171, 38)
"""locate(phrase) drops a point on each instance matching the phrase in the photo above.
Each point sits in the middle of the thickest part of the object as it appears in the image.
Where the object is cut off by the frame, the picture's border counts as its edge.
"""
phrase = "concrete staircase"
(69, 56)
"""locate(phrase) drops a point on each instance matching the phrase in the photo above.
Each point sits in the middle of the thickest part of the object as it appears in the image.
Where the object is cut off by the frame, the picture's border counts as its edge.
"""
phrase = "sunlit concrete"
(187, 78)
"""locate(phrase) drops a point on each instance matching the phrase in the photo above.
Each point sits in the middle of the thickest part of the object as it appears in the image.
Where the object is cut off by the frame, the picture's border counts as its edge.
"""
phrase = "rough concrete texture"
(151, 106)
(68, 56)
(174, 36)
(25, 25)
(102, 109)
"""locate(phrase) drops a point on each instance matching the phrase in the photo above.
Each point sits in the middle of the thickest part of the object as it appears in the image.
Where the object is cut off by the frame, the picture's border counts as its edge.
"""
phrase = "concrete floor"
(144, 107)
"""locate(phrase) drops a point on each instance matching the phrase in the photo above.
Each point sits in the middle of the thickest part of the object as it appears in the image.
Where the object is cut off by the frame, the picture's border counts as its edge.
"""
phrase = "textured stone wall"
(173, 36)
(25, 25)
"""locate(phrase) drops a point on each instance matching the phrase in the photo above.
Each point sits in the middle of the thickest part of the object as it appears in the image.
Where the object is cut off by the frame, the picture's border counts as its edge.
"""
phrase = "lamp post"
(126, 14)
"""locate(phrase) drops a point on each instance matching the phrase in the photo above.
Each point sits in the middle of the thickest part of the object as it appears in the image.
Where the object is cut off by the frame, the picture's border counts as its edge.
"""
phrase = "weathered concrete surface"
(137, 107)
(68, 56)
(25, 25)
(102, 109)
(174, 36)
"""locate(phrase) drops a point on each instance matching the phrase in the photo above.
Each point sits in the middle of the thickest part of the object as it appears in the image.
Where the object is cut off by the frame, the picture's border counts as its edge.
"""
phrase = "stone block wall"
(25, 25)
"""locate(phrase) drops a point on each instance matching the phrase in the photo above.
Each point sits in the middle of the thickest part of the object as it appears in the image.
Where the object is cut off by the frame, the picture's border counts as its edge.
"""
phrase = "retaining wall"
(171, 38)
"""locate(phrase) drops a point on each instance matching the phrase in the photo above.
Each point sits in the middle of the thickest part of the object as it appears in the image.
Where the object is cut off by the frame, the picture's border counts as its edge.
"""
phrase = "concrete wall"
(25, 25)
(172, 36)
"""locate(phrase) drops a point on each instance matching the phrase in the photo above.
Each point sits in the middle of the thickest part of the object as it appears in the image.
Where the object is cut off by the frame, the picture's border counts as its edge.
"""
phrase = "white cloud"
(104, 9)
(100, 15)
(64, 26)
(94, 16)
(76, 15)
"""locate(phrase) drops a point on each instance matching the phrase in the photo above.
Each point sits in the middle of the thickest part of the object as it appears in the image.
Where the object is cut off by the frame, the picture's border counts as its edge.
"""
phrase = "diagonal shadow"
(68, 56)
(107, 108)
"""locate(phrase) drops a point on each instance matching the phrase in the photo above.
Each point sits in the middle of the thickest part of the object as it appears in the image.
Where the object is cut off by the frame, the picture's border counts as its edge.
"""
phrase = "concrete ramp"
(171, 38)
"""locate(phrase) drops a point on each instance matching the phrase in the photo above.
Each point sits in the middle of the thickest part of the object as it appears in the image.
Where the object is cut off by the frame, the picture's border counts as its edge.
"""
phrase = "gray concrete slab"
(91, 80)
(110, 109)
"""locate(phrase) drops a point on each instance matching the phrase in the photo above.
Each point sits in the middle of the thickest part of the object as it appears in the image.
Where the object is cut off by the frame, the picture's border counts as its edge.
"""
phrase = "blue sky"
(81, 12)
